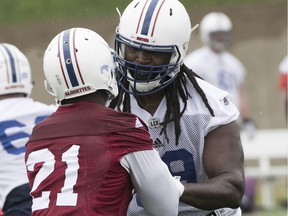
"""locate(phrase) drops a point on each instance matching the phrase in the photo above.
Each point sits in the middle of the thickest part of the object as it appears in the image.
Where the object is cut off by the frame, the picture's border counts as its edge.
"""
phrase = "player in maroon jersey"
(85, 159)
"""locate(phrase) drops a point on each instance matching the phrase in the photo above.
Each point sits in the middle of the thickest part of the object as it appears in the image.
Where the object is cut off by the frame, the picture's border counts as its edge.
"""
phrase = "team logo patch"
(104, 68)
(154, 122)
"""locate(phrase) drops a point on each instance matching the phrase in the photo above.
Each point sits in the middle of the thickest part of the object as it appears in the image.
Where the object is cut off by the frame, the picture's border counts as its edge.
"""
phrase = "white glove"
(180, 186)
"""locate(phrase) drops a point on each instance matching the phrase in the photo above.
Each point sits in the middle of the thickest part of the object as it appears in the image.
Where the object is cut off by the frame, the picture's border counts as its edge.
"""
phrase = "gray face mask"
(220, 41)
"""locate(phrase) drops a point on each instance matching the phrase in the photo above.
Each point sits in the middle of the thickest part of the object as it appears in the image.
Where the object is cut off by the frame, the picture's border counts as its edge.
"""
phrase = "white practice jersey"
(186, 159)
(220, 69)
(17, 118)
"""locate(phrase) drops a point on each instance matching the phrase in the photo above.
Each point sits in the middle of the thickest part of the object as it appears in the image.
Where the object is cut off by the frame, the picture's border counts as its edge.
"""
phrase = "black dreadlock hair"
(173, 112)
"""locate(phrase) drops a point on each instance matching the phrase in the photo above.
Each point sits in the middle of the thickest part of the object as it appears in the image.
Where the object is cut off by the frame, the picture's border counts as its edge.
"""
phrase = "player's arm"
(159, 192)
(223, 161)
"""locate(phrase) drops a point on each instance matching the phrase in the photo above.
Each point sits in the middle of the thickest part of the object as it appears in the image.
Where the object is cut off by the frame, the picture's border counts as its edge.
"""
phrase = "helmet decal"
(12, 64)
(148, 18)
(67, 58)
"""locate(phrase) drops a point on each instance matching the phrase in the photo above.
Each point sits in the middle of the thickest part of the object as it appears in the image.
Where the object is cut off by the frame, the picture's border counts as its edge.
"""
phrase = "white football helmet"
(77, 62)
(15, 71)
(216, 22)
(154, 26)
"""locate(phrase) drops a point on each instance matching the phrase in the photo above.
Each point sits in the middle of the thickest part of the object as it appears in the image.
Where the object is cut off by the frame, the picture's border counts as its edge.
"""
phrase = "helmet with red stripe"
(15, 71)
(153, 26)
(77, 62)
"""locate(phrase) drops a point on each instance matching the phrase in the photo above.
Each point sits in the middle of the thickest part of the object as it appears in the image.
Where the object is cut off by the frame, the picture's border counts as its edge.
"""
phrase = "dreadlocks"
(173, 112)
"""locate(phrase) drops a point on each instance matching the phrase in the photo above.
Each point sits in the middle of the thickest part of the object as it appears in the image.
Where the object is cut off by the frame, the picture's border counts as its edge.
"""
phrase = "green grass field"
(15, 11)
(274, 212)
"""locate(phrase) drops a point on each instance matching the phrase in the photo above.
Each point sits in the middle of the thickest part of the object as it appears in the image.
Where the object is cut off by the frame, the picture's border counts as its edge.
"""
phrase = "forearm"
(157, 189)
(219, 192)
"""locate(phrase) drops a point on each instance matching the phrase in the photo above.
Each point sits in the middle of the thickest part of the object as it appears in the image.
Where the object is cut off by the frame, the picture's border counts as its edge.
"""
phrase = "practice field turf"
(273, 212)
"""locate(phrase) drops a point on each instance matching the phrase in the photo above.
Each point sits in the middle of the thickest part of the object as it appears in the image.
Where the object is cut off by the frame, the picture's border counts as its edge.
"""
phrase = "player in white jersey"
(192, 123)
(283, 69)
(215, 64)
(18, 115)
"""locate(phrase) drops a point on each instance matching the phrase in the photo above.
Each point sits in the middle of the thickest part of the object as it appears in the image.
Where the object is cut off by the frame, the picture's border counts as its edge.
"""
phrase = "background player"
(18, 115)
(215, 64)
(192, 123)
(81, 160)
(283, 69)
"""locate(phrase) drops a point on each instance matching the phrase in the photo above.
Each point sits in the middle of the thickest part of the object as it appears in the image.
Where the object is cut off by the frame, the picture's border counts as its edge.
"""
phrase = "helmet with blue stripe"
(153, 26)
(15, 71)
(77, 62)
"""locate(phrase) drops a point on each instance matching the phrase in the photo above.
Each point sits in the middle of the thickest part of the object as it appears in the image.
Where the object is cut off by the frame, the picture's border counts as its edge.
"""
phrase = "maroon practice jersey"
(73, 160)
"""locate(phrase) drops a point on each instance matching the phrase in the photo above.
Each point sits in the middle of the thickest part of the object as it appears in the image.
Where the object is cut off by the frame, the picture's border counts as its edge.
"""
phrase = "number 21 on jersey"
(66, 197)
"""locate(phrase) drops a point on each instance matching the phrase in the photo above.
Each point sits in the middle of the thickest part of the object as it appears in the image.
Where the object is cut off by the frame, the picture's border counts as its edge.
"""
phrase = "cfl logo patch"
(154, 122)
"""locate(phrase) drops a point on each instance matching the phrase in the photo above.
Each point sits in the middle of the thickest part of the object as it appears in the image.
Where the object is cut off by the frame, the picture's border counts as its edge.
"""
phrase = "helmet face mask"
(143, 26)
(78, 62)
(220, 40)
(145, 79)
(15, 71)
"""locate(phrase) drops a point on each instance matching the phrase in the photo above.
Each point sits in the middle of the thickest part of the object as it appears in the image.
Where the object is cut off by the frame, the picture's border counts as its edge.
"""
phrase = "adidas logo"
(225, 101)
(157, 143)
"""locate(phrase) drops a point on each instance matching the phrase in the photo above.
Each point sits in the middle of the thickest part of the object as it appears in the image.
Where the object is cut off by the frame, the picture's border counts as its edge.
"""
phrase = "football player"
(192, 123)
(216, 65)
(18, 115)
(85, 159)
(283, 69)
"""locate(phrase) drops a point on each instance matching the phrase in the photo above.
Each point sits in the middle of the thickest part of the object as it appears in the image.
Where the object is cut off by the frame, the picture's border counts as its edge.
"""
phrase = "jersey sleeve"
(220, 101)
(159, 192)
